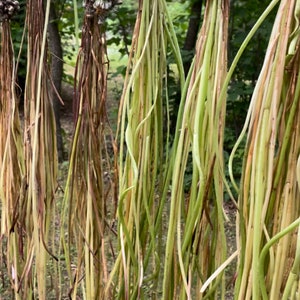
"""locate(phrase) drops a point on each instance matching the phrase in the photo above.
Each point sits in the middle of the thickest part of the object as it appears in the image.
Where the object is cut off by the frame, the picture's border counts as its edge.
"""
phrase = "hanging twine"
(99, 8)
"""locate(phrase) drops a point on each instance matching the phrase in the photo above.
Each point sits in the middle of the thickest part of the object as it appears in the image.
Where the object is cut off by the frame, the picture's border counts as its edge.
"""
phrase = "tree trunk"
(192, 32)
(188, 52)
(56, 69)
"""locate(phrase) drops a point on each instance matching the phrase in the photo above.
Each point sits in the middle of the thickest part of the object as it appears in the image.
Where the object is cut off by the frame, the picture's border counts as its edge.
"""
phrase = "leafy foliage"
(17, 32)
(242, 18)
(119, 26)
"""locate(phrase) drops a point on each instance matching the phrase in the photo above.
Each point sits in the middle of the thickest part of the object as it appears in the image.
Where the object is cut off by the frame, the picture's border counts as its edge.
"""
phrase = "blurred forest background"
(64, 43)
